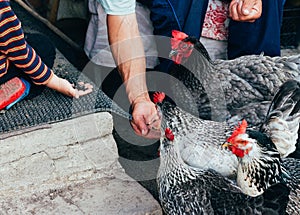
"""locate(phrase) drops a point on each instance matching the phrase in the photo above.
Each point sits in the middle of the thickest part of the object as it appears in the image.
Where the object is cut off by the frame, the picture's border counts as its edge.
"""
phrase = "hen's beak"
(225, 145)
(172, 53)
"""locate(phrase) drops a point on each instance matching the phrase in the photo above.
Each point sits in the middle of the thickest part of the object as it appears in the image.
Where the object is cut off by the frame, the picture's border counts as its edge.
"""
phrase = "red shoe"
(10, 91)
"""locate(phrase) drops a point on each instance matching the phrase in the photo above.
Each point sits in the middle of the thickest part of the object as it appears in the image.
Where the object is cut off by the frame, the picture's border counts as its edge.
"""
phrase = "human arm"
(245, 10)
(128, 52)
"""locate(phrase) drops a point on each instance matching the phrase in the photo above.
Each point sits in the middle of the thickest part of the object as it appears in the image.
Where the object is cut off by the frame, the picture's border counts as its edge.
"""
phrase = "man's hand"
(245, 10)
(146, 121)
(128, 52)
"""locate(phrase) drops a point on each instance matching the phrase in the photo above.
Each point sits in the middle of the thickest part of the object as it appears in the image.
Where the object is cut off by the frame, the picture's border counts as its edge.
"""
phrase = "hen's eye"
(183, 45)
(243, 142)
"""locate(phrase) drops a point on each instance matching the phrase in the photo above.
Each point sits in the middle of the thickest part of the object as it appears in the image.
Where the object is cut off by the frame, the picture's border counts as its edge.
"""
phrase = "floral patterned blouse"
(216, 20)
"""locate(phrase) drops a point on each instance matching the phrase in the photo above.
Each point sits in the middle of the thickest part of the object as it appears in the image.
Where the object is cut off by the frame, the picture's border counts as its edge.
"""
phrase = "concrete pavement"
(68, 167)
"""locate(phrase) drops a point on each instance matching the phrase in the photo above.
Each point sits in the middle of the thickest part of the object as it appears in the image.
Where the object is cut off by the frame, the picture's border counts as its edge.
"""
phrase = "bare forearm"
(128, 52)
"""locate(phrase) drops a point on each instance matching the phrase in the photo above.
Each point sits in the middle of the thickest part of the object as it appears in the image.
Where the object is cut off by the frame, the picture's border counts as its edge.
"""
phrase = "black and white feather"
(239, 85)
(187, 190)
(282, 122)
(262, 153)
(198, 149)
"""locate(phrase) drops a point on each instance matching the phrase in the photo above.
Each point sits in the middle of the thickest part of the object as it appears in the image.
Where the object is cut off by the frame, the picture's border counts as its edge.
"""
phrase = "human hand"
(245, 10)
(65, 87)
(145, 118)
(81, 89)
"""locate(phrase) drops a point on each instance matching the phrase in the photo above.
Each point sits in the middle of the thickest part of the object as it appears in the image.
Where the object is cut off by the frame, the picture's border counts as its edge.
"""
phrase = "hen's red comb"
(178, 36)
(240, 129)
(158, 97)
(169, 134)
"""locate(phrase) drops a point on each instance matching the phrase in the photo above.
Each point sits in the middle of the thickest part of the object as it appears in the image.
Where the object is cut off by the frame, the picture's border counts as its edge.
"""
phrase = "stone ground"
(64, 168)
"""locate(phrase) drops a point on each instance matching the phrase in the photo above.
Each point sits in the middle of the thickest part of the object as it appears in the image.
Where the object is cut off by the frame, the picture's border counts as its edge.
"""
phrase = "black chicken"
(214, 87)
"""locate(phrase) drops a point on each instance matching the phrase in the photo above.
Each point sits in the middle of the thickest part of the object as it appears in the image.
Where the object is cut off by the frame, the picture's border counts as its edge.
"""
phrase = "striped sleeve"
(14, 47)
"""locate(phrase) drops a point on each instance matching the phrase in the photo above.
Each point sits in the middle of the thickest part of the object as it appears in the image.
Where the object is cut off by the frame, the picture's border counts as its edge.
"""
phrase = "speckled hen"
(260, 165)
(193, 165)
(187, 190)
(201, 140)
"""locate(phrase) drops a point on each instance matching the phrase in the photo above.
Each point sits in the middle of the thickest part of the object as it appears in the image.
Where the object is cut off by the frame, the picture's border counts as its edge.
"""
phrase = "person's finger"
(256, 11)
(84, 92)
(240, 9)
(233, 13)
(153, 134)
(154, 119)
(75, 94)
(136, 129)
(155, 125)
(250, 10)
(140, 125)
(88, 86)
(245, 7)
(230, 8)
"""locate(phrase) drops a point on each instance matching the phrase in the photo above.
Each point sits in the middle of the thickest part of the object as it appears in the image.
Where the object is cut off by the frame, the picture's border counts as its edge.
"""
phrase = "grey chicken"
(201, 139)
(213, 87)
(187, 190)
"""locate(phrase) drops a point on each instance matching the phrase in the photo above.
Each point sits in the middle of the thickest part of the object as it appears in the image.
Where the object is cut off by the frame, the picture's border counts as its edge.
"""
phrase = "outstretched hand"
(245, 10)
(65, 87)
(82, 89)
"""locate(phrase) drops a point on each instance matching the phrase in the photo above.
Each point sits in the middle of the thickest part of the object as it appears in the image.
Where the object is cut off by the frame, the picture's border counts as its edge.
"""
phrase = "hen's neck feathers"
(199, 49)
(261, 168)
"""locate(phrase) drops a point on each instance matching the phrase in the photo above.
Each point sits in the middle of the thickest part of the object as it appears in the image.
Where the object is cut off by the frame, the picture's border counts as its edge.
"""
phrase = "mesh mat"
(52, 106)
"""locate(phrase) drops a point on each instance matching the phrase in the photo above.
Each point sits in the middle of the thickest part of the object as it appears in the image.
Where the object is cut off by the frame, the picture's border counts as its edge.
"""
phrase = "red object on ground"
(10, 91)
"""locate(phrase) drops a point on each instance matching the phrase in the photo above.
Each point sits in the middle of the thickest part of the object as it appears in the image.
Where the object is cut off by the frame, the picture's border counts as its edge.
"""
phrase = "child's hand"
(82, 89)
(65, 87)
